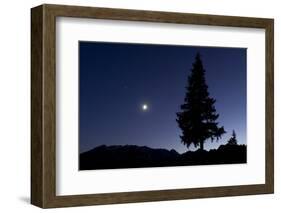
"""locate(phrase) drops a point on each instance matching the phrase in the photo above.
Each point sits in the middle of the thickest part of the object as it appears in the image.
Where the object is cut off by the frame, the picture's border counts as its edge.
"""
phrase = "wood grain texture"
(269, 114)
(36, 106)
(43, 105)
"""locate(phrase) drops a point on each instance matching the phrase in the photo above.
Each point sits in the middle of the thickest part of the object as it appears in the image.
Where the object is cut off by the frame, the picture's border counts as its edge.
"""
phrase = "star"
(144, 107)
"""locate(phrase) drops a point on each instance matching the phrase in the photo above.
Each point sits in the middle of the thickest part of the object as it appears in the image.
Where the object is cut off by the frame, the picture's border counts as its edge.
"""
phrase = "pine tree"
(198, 116)
(232, 140)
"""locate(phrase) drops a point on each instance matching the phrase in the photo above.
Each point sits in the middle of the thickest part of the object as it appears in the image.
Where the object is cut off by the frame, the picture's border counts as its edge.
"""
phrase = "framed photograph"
(135, 106)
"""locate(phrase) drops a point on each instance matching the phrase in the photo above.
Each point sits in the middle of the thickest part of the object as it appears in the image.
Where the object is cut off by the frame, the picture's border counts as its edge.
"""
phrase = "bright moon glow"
(144, 107)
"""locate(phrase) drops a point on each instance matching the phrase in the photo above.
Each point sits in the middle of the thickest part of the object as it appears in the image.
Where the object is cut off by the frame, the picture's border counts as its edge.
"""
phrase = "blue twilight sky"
(117, 79)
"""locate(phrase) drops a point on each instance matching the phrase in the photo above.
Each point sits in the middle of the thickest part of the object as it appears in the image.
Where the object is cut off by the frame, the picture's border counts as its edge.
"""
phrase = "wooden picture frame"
(43, 105)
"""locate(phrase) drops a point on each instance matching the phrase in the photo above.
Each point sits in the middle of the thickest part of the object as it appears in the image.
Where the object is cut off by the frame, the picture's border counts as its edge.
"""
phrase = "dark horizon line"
(156, 148)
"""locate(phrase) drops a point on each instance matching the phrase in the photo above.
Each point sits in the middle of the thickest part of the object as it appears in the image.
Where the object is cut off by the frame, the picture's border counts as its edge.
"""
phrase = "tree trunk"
(202, 145)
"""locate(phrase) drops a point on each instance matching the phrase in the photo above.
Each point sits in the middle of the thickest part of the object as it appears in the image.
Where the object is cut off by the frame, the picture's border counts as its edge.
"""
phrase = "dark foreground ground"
(131, 156)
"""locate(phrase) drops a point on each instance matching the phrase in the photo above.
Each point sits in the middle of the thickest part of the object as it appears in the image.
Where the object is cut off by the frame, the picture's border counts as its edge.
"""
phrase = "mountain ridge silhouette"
(133, 156)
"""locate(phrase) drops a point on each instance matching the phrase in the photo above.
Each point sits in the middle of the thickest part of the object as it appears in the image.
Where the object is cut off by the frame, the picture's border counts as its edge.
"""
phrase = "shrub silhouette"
(232, 140)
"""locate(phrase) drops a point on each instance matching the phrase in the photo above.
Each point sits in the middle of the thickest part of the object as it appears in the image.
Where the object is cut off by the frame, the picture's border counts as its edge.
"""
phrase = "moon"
(144, 107)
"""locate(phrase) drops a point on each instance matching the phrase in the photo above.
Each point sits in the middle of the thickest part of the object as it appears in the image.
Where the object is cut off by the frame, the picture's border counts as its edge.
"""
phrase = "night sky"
(130, 93)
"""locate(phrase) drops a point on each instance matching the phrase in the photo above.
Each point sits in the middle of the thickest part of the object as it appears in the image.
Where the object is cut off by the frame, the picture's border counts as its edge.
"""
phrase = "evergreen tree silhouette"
(198, 116)
(232, 140)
